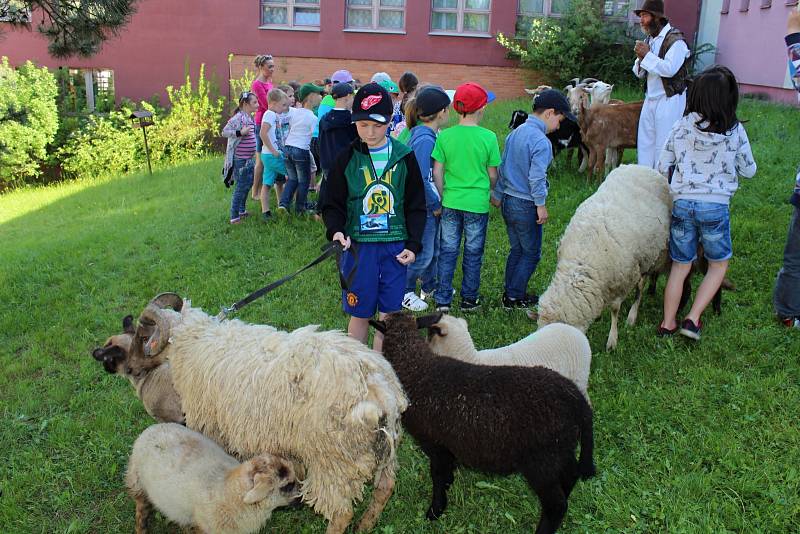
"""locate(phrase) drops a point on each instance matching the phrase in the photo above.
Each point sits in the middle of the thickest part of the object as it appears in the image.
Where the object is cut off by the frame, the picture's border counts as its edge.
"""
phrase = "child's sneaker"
(244, 214)
(444, 308)
(237, 220)
(661, 331)
(412, 302)
(791, 322)
(266, 216)
(470, 305)
(691, 330)
(282, 210)
(526, 302)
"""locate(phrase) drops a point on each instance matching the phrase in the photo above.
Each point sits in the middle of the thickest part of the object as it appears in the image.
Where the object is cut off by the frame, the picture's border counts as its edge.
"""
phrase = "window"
(85, 90)
(726, 5)
(461, 16)
(766, 4)
(295, 14)
(376, 15)
(745, 5)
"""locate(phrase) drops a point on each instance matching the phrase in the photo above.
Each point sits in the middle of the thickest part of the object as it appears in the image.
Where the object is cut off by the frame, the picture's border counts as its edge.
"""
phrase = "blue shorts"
(695, 222)
(379, 281)
(273, 167)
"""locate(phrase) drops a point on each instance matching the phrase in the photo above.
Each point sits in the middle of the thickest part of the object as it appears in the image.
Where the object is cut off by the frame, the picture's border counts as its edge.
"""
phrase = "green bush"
(111, 145)
(580, 44)
(28, 120)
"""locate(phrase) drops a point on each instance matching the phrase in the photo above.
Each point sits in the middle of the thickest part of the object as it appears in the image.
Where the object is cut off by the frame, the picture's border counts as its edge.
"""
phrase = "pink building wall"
(165, 35)
(751, 44)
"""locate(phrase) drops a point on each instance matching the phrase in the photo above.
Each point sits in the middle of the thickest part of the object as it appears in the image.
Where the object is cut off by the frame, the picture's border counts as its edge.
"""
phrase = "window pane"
(559, 6)
(390, 19)
(359, 2)
(449, 4)
(306, 16)
(275, 15)
(444, 21)
(531, 6)
(299, 2)
(476, 23)
(478, 4)
(393, 3)
(359, 18)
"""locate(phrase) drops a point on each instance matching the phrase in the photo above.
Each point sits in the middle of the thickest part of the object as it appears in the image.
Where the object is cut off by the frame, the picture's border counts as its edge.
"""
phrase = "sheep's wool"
(616, 236)
(320, 399)
(560, 347)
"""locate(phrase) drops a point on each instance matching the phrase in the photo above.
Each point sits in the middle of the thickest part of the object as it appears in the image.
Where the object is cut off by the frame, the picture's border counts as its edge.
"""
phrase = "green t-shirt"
(466, 151)
(404, 136)
(328, 101)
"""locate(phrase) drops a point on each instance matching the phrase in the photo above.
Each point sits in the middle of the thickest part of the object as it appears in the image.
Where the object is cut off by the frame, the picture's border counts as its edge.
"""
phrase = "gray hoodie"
(707, 165)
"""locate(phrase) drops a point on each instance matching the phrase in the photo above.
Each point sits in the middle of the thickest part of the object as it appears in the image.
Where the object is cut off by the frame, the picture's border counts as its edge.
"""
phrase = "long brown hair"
(412, 114)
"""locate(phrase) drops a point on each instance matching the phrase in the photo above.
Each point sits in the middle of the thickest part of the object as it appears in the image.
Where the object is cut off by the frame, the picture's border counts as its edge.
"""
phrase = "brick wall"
(506, 82)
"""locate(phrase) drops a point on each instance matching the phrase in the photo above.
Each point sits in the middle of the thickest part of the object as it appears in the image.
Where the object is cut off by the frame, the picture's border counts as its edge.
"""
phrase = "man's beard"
(654, 28)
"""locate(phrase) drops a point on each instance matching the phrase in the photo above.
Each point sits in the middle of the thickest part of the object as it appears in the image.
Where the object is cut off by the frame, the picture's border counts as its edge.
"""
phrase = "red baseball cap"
(470, 97)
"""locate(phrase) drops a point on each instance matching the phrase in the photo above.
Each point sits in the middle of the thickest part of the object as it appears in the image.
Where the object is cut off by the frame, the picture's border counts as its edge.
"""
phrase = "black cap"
(372, 103)
(431, 99)
(341, 90)
(552, 99)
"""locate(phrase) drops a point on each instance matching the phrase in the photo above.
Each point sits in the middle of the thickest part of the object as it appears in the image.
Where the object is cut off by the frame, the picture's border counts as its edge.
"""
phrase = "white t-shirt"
(271, 118)
(301, 128)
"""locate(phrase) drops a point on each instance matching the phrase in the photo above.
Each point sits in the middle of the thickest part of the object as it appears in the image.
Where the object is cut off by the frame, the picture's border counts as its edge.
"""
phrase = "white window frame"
(376, 9)
(460, 10)
(290, 6)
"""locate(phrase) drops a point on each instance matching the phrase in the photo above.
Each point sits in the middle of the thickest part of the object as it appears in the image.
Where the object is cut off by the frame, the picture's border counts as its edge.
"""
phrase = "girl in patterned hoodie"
(705, 154)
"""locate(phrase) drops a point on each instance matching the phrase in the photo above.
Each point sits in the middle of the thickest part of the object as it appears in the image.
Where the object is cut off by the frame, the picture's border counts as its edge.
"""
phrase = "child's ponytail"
(411, 113)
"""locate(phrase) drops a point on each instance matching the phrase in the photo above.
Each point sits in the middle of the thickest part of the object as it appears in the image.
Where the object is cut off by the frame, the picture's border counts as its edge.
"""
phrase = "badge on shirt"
(373, 223)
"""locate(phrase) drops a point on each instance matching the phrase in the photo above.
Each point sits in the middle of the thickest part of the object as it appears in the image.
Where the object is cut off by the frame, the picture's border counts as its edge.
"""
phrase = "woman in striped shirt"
(241, 134)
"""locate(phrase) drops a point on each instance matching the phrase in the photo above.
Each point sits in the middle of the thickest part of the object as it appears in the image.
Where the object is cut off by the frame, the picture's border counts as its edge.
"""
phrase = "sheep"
(154, 389)
(498, 419)
(320, 399)
(193, 482)
(608, 126)
(617, 238)
(560, 347)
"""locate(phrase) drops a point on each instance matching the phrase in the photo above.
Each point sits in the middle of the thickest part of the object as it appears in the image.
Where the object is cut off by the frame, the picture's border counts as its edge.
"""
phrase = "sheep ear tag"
(380, 326)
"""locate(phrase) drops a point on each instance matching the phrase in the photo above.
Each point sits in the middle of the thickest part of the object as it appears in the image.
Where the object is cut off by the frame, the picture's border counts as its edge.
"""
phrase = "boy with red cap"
(374, 204)
(465, 170)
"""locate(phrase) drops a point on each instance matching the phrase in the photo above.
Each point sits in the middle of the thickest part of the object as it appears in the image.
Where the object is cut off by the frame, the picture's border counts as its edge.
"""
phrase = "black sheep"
(500, 419)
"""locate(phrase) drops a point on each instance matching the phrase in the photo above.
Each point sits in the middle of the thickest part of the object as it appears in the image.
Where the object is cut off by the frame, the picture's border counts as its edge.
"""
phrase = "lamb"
(320, 399)
(193, 482)
(612, 126)
(616, 239)
(560, 347)
(154, 389)
(499, 419)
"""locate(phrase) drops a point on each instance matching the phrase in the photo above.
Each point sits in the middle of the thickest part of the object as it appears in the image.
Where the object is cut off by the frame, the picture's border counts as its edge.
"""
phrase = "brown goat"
(608, 126)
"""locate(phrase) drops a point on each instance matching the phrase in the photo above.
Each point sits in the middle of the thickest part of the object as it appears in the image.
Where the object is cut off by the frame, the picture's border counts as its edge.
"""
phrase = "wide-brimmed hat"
(654, 7)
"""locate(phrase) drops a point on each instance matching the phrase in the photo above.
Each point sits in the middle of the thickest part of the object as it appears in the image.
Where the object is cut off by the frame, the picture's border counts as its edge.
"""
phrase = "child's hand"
(496, 203)
(541, 213)
(345, 241)
(793, 22)
(245, 131)
(275, 153)
(438, 212)
(406, 257)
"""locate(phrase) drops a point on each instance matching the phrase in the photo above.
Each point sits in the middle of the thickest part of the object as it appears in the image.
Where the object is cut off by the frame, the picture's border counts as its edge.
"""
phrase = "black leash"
(334, 248)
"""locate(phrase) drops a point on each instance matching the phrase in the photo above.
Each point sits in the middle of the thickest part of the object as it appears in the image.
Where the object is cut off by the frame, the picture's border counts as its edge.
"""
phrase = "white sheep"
(560, 347)
(320, 399)
(194, 483)
(617, 237)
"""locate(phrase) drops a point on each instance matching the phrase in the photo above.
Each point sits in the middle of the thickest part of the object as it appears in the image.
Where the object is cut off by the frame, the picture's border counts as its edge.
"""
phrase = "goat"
(608, 126)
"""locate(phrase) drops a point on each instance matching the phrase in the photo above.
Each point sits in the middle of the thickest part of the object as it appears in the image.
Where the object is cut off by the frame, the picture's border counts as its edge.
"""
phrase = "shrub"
(28, 120)
(579, 44)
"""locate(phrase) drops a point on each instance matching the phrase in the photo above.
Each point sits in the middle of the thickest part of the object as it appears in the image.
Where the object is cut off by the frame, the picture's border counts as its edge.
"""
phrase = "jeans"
(424, 267)
(695, 222)
(243, 170)
(525, 238)
(453, 225)
(786, 297)
(298, 176)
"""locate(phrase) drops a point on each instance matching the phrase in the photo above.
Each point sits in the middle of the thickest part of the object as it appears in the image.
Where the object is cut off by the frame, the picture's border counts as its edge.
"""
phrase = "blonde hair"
(261, 60)
(276, 96)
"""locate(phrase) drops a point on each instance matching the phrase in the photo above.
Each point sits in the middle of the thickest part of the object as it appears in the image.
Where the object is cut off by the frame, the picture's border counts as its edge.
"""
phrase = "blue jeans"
(453, 225)
(695, 222)
(298, 176)
(425, 265)
(525, 238)
(786, 297)
(243, 170)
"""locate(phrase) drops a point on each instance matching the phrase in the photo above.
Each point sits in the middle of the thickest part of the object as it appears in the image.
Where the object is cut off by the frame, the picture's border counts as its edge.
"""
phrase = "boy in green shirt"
(465, 170)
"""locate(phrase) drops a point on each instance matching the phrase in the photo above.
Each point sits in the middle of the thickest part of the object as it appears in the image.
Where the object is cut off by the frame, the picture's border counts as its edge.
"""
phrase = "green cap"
(390, 86)
(307, 89)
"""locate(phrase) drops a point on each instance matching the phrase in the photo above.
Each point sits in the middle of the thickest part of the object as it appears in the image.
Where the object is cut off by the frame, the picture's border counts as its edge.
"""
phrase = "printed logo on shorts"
(352, 299)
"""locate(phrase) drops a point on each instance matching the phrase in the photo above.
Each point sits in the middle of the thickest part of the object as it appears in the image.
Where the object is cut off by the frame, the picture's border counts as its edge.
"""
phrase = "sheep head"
(114, 353)
(400, 321)
(152, 333)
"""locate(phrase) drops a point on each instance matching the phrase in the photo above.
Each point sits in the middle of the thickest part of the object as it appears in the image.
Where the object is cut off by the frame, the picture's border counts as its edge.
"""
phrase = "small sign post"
(142, 119)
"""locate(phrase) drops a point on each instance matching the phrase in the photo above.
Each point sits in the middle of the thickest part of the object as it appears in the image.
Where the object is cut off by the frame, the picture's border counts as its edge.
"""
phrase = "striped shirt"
(380, 157)
(247, 146)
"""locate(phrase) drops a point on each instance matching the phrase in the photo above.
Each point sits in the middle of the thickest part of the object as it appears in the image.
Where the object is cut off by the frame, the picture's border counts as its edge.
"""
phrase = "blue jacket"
(526, 156)
(422, 142)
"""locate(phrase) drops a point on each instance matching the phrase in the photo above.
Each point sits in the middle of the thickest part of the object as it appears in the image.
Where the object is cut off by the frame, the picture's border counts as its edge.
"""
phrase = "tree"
(72, 27)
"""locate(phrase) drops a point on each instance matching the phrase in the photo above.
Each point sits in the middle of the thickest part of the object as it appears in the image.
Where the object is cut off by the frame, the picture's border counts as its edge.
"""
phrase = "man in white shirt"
(663, 59)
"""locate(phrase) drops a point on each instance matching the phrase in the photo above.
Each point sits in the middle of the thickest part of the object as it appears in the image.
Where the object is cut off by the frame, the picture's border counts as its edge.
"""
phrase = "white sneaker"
(412, 302)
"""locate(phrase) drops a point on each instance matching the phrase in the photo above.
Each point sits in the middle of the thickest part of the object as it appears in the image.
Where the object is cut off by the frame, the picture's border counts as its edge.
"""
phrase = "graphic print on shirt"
(378, 203)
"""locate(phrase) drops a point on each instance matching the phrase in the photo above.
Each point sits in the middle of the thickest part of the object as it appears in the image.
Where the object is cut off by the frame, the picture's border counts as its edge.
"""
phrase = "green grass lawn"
(689, 437)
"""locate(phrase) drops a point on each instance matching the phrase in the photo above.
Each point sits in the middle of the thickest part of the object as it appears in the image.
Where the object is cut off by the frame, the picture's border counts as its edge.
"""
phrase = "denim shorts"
(695, 223)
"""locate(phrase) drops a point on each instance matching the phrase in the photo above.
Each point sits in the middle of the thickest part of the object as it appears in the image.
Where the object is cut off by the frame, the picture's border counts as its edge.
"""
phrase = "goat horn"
(588, 80)
(158, 339)
(173, 300)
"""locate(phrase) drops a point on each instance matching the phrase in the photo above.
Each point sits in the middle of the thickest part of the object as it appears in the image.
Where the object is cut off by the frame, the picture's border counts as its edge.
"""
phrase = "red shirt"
(261, 89)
